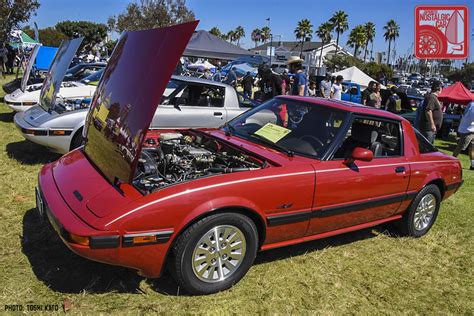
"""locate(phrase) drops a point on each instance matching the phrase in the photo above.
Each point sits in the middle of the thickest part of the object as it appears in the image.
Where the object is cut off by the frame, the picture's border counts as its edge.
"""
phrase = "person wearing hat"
(300, 82)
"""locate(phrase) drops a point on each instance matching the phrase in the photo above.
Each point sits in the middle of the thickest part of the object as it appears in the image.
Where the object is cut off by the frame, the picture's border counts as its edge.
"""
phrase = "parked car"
(450, 123)
(20, 101)
(351, 92)
(204, 201)
(188, 102)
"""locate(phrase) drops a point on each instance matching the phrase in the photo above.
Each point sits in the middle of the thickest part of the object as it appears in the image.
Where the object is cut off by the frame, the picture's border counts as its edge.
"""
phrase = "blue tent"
(45, 57)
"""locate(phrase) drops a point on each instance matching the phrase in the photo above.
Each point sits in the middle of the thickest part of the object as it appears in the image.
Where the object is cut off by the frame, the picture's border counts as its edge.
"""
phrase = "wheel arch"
(439, 182)
(250, 213)
(77, 130)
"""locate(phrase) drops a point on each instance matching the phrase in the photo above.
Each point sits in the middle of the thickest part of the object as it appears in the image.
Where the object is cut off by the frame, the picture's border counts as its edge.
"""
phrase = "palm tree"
(392, 31)
(340, 24)
(370, 35)
(265, 35)
(324, 32)
(230, 36)
(303, 31)
(215, 31)
(239, 33)
(256, 36)
(357, 38)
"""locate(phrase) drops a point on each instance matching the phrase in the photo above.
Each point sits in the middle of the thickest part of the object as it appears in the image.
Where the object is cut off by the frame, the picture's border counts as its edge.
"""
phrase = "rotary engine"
(180, 157)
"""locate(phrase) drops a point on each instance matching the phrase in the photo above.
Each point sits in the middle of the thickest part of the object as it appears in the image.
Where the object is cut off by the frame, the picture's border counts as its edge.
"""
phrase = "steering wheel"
(314, 141)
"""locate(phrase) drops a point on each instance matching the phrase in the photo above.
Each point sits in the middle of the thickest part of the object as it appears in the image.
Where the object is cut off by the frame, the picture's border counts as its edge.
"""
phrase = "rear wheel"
(422, 213)
(215, 253)
(77, 140)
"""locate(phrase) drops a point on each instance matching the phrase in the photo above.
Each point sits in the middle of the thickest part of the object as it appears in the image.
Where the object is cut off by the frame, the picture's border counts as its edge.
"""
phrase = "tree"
(340, 24)
(239, 33)
(265, 34)
(324, 32)
(230, 36)
(370, 35)
(13, 13)
(93, 33)
(357, 38)
(465, 75)
(148, 14)
(392, 31)
(303, 31)
(49, 36)
(256, 36)
(215, 31)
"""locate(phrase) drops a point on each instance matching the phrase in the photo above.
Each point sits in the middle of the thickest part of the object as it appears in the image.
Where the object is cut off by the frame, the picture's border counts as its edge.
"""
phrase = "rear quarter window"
(424, 146)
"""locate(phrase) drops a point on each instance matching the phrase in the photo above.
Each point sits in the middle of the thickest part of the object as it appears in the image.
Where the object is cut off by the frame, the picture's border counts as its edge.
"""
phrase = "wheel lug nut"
(213, 260)
(224, 256)
(223, 244)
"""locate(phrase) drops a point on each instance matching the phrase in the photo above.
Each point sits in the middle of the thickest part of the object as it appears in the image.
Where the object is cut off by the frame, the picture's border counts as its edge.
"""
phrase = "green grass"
(362, 272)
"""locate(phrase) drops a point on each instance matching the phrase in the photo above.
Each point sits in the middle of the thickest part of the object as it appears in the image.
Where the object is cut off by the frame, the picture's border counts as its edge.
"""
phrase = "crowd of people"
(7, 58)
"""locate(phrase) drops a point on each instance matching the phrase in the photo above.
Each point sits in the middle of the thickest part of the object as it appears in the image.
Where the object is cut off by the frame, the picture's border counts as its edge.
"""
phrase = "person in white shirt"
(336, 88)
(466, 131)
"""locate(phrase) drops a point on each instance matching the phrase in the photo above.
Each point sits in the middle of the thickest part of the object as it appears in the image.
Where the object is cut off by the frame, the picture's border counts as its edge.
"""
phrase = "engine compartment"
(173, 158)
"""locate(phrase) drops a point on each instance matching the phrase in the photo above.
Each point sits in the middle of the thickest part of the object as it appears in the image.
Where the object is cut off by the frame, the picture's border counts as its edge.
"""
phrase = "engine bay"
(172, 158)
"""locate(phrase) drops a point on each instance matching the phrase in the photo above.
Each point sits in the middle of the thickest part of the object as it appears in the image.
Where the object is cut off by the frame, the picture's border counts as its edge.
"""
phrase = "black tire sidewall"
(184, 251)
(409, 216)
(77, 140)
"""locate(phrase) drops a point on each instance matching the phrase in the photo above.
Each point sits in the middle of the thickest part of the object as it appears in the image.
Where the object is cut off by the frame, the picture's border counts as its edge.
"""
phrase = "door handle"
(400, 169)
(217, 113)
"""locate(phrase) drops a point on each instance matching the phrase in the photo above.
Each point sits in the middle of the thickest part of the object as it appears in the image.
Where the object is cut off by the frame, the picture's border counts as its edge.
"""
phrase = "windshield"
(291, 126)
(93, 77)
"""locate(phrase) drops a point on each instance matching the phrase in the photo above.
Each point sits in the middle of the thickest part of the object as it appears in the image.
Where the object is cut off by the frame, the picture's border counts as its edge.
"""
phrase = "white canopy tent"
(355, 75)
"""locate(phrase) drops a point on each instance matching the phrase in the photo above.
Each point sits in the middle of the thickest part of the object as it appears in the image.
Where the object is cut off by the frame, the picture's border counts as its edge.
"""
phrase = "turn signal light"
(144, 239)
(81, 240)
(58, 132)
(29, 103)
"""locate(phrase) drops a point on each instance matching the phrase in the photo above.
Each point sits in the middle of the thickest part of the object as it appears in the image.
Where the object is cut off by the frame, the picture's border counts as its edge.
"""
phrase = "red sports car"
(204, 202)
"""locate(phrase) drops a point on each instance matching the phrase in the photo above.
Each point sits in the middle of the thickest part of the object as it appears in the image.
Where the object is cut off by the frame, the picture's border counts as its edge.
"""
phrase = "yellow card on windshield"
(272, 132)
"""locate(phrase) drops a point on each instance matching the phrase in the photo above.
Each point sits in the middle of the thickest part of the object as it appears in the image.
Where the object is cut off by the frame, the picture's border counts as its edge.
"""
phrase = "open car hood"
(31, 62)
(127, 97)
(56, 72)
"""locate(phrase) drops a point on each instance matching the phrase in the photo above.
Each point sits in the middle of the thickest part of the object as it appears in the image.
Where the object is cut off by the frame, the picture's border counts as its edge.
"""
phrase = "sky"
(284, 15)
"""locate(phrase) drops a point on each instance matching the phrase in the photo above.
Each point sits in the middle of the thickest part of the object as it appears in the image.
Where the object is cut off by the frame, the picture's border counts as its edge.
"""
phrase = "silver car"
(187, 103)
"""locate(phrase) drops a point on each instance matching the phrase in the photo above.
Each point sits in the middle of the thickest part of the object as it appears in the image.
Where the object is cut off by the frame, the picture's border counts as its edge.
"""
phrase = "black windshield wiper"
(230, 130)
(289, 153)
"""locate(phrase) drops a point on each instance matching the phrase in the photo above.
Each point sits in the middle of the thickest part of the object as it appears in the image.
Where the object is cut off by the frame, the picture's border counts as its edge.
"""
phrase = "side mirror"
(361, 154)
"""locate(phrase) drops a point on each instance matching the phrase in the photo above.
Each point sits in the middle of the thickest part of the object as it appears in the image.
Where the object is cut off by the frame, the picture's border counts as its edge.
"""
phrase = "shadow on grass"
(7, 117)
(63, 271)
(30, 153)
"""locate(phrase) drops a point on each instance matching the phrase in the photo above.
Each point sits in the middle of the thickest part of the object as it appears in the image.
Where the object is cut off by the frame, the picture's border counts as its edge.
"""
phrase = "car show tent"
(355, 75)
(205, 45)
(456, 93)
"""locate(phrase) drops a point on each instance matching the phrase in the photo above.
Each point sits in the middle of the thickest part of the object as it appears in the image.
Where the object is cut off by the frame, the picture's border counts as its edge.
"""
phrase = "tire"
(197, 257)
(412, 223)
(77, 140)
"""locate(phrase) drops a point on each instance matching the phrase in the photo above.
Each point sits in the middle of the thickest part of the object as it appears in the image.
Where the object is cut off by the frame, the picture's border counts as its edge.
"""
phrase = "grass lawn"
(362, 272)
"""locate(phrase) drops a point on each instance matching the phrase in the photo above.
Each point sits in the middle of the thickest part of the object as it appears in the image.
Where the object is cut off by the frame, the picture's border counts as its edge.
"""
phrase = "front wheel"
(215, 253)
(422, 213)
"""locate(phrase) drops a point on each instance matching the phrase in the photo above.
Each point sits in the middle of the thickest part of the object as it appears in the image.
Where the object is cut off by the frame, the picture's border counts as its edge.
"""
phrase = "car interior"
(381, 137)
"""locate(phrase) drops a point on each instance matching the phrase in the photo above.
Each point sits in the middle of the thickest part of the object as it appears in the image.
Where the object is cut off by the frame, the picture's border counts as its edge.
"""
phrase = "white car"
(22, 100)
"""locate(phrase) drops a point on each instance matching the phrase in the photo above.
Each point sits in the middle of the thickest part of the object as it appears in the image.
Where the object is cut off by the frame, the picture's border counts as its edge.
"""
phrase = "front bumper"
(59, 143)
(111, 247)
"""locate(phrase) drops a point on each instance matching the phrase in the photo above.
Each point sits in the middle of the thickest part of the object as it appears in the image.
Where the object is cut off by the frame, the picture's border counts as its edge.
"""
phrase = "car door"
(363, 191)
(192, 105)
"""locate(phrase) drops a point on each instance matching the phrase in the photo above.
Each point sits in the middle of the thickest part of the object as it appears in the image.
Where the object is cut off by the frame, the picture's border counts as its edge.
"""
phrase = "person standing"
(312, 89)
(336, 88)
(270, 83)
(375, 99)
(366, 93)
(11, 55)
(325, 86)
(466, 133)
(300, 82)
(285, 82)
(394, 103)
(247, 83)
(431, 118)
